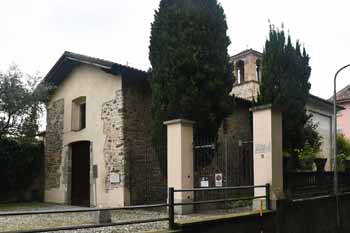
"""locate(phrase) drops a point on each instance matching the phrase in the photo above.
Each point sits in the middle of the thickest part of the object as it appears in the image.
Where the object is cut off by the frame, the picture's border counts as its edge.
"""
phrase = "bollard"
(171, 209)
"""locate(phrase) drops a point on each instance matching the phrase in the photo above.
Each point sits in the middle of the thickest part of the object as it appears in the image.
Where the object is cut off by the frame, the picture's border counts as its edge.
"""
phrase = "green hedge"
(20, 164)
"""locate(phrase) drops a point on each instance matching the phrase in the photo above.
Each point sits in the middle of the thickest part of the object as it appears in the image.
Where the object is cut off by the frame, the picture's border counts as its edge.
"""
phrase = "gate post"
(180, 161)
(268, 160)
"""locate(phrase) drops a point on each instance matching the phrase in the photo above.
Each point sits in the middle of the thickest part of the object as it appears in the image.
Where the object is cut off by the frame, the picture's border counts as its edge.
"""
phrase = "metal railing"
(309, 184)
(172, 204)
(171, 209)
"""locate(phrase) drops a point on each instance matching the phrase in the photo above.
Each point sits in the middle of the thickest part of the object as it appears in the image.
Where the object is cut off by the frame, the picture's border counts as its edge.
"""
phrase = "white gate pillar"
(268, 154)
(180, 161)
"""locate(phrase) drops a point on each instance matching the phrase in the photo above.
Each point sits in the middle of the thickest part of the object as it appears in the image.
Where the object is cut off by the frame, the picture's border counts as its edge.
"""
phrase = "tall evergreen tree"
(285, 83)
(191, 70)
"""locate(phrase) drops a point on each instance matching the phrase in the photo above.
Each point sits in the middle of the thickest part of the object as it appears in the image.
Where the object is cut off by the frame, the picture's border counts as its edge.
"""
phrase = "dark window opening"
(82, 116)
(240, 71)
(79, 113)
(258, 70)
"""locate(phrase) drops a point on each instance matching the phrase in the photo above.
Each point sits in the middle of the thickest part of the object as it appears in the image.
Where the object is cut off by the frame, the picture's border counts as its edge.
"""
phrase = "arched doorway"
(80, 189)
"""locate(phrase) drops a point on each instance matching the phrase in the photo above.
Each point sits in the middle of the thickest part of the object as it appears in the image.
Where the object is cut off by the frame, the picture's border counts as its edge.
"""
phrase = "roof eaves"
(327, 102)
(245, 52)
(340, 93)
(106, 65)
(89, 62)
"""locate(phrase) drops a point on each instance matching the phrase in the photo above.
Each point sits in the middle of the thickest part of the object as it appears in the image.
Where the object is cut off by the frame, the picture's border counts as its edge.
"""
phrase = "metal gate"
(148, 176)
(220, 162)
(229, 157)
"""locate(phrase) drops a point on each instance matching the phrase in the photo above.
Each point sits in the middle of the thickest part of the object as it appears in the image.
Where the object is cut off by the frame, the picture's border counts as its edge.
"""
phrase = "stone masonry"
(112, 116)
(54, 144)
(147, 184)
(248, 90)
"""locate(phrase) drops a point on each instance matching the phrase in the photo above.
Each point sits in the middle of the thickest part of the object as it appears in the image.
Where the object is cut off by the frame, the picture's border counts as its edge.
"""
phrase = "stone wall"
(248, 90)
(54, 144)
(146, 182)
(239, 123)
(113, 151)
(240, 223)
(312, 215)
(302, 216)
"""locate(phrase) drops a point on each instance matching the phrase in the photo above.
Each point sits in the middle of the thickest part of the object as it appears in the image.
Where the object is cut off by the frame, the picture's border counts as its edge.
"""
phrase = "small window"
(82, 116)
(240, 71)
(79, 113)
(258, 70)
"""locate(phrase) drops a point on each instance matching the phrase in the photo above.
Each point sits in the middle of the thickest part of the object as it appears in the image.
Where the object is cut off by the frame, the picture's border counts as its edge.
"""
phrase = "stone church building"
(98, 150)
(97, 116)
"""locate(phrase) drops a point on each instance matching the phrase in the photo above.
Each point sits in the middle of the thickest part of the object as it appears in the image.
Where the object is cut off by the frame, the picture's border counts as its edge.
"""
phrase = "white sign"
(218, 179)
(205, 182)
(114, 178)
(262, 148)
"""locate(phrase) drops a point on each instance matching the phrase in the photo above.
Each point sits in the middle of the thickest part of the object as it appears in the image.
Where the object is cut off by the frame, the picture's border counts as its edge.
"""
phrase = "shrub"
(20, 164)
(306, 156)
(343, 151)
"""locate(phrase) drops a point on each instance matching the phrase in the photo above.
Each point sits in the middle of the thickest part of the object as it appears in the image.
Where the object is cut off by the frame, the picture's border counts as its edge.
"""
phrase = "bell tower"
(247, 70)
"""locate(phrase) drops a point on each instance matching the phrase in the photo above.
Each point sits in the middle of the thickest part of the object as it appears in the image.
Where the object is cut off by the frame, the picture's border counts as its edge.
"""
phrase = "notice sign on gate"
(218, 179)
(204, 182)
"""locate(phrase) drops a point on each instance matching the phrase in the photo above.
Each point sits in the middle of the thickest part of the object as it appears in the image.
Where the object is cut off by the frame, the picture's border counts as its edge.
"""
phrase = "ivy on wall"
(20, 165)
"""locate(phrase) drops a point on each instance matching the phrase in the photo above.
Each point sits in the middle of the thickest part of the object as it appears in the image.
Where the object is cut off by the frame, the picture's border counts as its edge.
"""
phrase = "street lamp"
(335, 166)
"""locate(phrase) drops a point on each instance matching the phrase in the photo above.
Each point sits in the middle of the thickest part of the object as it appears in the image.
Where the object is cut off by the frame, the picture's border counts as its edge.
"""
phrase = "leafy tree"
(285, 83)
(20, 103)
(191, 70)
(343, 151)
(343, 145)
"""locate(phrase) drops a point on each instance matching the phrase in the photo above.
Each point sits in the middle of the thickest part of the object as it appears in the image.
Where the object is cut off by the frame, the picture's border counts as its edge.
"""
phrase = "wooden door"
(80, 194)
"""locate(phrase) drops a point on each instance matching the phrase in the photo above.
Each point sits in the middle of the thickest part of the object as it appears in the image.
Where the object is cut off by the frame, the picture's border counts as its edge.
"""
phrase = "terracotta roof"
(342, 95)
(246, 52)
(68, 61)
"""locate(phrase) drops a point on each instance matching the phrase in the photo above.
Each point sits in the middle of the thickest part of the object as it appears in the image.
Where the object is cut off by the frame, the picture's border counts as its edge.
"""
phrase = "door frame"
(70, 172)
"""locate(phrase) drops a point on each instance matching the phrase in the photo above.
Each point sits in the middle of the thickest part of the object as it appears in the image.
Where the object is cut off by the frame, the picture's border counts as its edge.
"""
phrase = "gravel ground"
(14, 223)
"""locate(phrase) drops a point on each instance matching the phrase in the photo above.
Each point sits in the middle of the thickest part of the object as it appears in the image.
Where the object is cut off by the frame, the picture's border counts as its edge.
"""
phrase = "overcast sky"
(34, 33)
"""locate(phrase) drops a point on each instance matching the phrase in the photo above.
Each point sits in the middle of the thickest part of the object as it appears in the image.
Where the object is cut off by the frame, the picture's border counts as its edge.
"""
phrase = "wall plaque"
(114, 178)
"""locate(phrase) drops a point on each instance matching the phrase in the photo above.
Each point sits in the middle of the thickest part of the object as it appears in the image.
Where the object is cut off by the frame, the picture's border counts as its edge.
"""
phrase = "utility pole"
(335, 166)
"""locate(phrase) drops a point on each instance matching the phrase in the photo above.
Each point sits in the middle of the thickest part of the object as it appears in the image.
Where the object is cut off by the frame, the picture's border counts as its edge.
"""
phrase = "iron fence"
(227, 155)
(148, 175)
(170, 206)
(308, 184)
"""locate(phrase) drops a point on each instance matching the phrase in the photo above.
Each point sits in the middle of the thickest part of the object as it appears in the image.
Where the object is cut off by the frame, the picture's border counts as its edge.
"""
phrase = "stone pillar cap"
(179, 121)
(267, 106)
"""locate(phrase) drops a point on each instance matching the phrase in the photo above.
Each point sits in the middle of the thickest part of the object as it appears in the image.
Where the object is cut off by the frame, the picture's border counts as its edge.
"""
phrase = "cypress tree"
(285, 83)
(191, 71)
